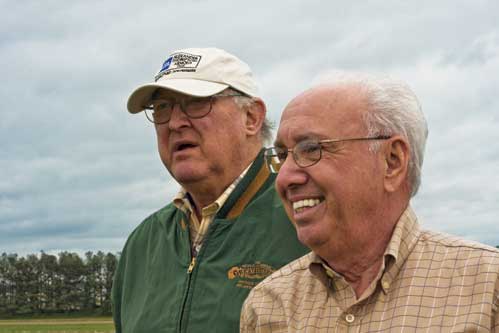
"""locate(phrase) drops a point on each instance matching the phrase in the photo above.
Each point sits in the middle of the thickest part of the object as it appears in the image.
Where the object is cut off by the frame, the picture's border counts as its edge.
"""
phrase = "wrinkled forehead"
(297, 128)
(323, 112)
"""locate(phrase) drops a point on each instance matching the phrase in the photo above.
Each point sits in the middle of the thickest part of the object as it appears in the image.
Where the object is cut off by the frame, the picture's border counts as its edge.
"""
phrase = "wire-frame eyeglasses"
(160, 110)
(306, 153)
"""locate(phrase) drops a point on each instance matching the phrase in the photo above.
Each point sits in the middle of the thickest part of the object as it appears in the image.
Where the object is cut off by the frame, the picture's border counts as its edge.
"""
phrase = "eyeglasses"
(160, 110)
(305, 153)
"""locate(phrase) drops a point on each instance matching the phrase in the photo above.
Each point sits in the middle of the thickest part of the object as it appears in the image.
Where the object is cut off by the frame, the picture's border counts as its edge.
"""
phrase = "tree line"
(48, 284)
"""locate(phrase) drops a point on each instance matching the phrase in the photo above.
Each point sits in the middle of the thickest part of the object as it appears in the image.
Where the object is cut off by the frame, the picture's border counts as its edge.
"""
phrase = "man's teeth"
(299, 205)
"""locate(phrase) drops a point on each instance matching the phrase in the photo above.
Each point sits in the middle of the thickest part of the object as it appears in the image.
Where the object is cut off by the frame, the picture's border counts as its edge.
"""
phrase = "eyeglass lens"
(305, 154)
(161, 111)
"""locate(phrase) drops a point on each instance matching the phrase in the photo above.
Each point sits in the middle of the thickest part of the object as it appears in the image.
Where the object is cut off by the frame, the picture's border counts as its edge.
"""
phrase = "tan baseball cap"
(199, 72)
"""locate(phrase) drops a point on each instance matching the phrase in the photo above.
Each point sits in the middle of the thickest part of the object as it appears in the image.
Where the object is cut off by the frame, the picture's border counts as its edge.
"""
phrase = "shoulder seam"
(427, 236)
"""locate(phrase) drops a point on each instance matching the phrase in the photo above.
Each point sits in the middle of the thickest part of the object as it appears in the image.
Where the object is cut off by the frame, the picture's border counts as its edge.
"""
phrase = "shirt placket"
(207, 216)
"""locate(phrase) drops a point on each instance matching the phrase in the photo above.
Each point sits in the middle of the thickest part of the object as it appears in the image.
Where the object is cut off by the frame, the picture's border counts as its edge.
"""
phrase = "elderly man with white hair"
(348, 156)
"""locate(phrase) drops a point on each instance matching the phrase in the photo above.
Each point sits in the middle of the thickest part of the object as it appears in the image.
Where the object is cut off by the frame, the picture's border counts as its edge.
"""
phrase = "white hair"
(245, 102)
(393, 108)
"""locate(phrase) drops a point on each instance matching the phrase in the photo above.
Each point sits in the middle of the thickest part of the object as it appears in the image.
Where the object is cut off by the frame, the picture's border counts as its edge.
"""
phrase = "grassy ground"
(76, 325)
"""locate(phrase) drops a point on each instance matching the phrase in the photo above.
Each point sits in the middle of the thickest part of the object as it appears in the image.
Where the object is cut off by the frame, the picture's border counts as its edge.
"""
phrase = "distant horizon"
(82, 253)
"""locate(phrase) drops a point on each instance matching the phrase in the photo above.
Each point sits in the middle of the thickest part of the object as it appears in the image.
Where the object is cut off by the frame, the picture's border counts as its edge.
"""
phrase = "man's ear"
(396, 155)
(255, 115)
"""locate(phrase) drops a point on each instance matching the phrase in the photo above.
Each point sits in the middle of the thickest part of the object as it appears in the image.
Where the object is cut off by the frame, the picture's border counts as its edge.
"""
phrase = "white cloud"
(79, 172)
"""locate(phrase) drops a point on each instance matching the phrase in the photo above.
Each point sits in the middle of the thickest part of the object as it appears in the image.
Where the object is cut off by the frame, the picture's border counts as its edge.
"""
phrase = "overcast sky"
(78, 172)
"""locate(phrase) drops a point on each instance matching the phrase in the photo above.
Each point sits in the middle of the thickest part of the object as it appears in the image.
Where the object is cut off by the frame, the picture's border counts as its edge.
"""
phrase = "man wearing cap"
(189, 266)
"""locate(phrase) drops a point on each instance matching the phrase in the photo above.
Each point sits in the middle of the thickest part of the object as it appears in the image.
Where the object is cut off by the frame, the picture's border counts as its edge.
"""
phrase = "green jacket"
(158, 288)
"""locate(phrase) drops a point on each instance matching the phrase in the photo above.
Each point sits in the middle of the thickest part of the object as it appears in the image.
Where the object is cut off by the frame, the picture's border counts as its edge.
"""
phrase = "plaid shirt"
(428, 282)
(197, 229)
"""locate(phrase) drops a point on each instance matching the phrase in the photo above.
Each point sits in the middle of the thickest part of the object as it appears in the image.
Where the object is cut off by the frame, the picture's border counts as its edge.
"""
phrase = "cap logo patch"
(179, 62)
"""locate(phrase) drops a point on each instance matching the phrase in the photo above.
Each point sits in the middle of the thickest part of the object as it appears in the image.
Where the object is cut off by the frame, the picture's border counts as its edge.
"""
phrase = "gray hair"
(245, 102)
(393, 108)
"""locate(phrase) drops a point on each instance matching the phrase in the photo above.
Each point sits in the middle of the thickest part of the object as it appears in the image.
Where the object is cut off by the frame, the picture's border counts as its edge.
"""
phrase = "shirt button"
(349, 318)
(385, 284)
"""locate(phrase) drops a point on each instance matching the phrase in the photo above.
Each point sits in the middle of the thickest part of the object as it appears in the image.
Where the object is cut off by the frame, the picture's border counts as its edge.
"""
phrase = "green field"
(77, 325)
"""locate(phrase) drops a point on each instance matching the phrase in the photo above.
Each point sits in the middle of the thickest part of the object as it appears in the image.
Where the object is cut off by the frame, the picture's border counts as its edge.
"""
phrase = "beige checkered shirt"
(429, 282)
(197, 229)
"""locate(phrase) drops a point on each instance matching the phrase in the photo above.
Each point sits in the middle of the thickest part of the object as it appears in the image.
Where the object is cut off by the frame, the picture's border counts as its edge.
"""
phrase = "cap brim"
(198, 88)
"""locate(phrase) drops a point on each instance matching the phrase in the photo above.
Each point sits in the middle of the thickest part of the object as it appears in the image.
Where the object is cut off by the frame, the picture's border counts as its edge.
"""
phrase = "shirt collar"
(183, 201)
(404, 238)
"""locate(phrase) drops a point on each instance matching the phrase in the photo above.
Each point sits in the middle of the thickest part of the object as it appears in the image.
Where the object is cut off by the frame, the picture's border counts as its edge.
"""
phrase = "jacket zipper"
(191, 267)
(186, 296)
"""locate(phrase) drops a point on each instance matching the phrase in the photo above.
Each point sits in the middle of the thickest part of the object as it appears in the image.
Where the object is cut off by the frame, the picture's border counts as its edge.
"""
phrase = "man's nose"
(178, 118)
(290, 174)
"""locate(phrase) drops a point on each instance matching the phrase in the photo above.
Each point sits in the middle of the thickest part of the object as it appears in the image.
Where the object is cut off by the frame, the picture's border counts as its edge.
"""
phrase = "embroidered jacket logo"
(179, 62)
(250, 271)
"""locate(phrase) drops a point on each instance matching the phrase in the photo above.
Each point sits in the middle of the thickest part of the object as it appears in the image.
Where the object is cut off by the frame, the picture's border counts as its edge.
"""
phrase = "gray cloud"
(79, 172)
